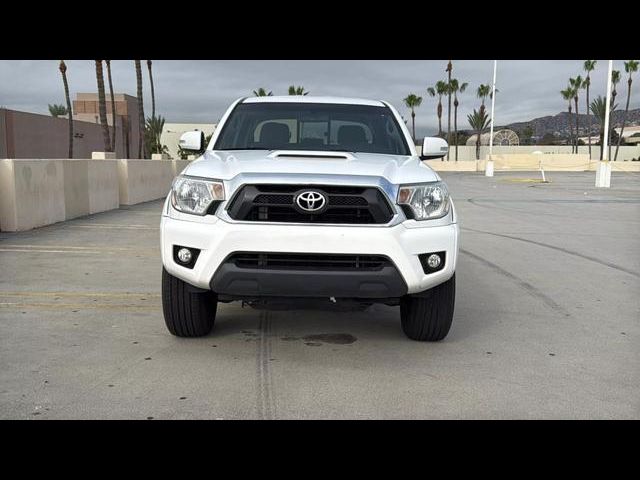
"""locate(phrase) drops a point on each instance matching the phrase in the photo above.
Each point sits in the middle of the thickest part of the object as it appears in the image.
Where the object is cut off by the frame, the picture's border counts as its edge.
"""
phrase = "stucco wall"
(29, 135)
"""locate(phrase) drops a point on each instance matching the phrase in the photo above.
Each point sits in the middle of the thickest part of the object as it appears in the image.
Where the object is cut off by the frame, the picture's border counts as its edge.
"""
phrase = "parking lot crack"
(560, 249)
(524, 285)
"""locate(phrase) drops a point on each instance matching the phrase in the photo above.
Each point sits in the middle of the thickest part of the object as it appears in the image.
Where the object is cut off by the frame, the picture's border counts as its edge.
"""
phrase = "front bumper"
(237, 282)
(217, 239)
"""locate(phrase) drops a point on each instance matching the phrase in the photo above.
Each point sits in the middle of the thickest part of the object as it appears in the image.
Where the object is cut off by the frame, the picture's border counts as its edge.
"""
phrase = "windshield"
(312, 126)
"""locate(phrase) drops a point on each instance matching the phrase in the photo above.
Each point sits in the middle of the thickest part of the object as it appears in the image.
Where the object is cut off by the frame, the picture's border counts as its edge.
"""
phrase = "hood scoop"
(310, 154)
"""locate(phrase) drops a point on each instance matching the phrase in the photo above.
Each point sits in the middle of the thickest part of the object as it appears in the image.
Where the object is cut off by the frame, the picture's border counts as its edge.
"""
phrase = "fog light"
(434, 261)
(184, 255)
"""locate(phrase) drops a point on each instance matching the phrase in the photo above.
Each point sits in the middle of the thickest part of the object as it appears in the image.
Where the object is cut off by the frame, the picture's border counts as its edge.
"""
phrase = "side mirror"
(434, 147)
(192, 141)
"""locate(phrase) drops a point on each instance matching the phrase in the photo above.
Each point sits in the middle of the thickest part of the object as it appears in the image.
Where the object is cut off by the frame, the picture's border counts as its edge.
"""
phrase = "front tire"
(428, 318)
(188, 311)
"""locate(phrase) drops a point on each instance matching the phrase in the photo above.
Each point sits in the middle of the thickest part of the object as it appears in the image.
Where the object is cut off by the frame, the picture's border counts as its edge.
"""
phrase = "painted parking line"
(133, 225)
(115, 226)
(79, 306)
(23, 250)
(81, 294)
(72, 247)
(75, 251)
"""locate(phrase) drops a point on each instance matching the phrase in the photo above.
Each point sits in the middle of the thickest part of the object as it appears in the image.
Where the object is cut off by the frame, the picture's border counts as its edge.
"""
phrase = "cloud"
(199, 91)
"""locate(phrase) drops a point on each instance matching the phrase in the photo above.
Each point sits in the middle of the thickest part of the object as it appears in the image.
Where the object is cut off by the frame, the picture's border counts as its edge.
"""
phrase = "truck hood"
(225, 165)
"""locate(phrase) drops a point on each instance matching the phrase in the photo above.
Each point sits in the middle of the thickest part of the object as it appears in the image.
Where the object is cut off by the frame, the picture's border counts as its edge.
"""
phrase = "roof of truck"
(310, 99)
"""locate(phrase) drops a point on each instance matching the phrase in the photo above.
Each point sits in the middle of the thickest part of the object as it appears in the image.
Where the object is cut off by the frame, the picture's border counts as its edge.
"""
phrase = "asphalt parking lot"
(547, 323)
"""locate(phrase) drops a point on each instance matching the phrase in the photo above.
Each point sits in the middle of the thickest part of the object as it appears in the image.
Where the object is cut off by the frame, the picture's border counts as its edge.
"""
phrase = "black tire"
(428, 318)
(188, 311)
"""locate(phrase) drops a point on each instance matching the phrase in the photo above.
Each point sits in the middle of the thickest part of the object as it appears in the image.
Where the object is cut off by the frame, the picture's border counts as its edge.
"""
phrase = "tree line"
(293, 90)
(598, 106)
(149, 130)
(450, 88)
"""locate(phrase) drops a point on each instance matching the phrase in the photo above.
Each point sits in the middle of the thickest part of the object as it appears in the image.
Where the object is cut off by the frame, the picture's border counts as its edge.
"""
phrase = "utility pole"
(603, 174)
(493, 104)
(489, 168)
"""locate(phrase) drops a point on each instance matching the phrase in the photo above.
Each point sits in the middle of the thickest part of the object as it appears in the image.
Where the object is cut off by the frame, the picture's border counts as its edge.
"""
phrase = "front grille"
(308, 261)
(345, 205)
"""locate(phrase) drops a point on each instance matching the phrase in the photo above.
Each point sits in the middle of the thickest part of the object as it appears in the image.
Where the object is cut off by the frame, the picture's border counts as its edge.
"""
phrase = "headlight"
(425, 201)
(195, 195)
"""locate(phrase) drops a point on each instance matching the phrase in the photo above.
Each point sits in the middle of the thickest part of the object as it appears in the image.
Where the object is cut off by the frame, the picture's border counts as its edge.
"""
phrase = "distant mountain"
(559, 124)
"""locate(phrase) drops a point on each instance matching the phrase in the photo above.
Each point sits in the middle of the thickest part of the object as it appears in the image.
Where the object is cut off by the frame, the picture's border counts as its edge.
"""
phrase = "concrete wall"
(144, 180)
(7, 196)
(468, 153)
(34, 193)
(550, 161)
(553, 162)
(459, 166)
(103, 186)
(90, 187)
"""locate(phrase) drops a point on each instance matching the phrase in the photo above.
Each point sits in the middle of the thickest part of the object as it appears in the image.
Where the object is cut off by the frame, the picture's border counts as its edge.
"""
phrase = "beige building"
(85, 108)
(172, 131)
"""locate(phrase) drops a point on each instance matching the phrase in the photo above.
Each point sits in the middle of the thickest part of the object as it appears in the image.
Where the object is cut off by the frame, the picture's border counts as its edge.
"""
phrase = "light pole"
(489, 168)
(603, 174)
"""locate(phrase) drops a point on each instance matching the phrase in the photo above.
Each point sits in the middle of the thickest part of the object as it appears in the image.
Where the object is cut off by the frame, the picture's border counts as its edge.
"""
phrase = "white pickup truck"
(304, 200)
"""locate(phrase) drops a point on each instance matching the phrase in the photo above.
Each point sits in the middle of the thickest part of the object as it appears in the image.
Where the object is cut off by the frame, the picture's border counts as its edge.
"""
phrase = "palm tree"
(576, 83)
(615, 79)
(412, 101)
(448, 70)
(113, 105)
(630, 67)
(102, 107)
(482, 93)
(153, 133)
(63, 71)
(599, 110)
(261, 92)
(57, 110)
(589, 66)
(567, 94)
(153, 94)
(455, 88)
(293, 90)
(141, 145)
(439, 90)
(479, 122)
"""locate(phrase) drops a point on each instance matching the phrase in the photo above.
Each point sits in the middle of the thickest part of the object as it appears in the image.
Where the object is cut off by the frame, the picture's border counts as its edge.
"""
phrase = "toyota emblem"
(311, 201)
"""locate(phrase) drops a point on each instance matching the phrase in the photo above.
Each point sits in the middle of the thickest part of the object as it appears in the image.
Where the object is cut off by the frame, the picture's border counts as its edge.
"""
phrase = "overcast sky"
(199, 91)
